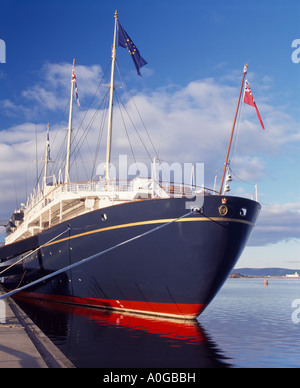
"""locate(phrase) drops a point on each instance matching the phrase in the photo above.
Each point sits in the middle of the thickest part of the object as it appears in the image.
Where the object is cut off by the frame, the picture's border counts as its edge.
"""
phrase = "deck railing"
(113, 189)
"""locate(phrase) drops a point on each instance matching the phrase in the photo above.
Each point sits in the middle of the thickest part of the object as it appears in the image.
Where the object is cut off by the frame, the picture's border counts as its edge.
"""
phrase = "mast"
(110, 113)
(46, 157)
(67, 169)
(232, 130)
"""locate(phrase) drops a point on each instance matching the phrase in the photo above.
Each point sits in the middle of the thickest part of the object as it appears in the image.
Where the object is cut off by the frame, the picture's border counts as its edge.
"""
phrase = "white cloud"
(277, 222)
(248, 168)
(58, 76)
(52, 90)
(44, 98)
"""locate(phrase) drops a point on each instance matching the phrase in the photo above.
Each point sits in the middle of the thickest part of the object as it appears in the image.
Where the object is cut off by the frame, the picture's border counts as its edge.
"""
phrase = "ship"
(139, 246)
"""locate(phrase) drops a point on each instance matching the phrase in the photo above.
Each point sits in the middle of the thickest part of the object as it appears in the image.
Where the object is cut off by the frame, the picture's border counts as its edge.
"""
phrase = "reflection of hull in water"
(175, 271)
(98, 338)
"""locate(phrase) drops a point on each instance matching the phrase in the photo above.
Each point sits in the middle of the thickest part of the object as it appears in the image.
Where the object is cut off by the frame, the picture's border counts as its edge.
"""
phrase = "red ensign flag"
(248, 99)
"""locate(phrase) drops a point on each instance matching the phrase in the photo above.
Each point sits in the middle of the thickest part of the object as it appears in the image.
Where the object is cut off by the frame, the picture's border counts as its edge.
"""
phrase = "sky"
(187, 96)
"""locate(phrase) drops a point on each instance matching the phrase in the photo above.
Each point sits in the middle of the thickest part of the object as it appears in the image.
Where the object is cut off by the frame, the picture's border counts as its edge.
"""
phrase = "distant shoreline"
(237, 275)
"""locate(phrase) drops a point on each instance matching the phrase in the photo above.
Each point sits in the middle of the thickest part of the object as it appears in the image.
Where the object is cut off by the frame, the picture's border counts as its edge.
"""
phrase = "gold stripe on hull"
(152, 222)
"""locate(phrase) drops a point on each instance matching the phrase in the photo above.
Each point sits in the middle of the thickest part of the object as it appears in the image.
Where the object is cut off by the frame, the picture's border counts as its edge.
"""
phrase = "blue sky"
(187, 95)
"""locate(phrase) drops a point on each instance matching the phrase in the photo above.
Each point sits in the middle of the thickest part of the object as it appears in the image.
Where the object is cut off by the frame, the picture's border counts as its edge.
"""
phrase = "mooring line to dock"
(31, 253)
(87, 259)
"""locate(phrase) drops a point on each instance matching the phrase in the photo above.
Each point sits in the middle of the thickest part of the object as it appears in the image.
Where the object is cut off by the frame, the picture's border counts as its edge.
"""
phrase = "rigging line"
(89, 152)
(38, 173)
(144, 125)
(136, 107)
(89, 107)
(240, 179)
(78, 145)
(118, 101)
(77, 148)
(99, 137)
(54, 167)
(94, 96)
(100, 134)
(62, 117)
(76, 168)
(59, 157)
(86, 130)
(31, 253)
(89, 258)
(238, 132)
(137, 132)
(82, 164)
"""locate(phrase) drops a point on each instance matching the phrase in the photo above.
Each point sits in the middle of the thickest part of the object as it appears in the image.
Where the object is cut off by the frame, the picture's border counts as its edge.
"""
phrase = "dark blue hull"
(175, 271)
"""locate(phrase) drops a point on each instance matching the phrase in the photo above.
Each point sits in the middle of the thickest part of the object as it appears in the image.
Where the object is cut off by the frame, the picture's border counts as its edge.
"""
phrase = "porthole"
(104, 217)
(243, 211)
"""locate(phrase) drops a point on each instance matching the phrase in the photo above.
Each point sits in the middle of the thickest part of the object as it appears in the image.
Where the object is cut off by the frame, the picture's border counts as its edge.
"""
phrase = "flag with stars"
(125, 41)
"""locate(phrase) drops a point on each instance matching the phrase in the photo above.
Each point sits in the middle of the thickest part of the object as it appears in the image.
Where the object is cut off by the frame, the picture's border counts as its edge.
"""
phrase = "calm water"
(247, 325)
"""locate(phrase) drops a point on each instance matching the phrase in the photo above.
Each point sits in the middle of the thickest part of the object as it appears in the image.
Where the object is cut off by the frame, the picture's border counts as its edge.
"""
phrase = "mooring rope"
(87, 259)
(31, 253)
